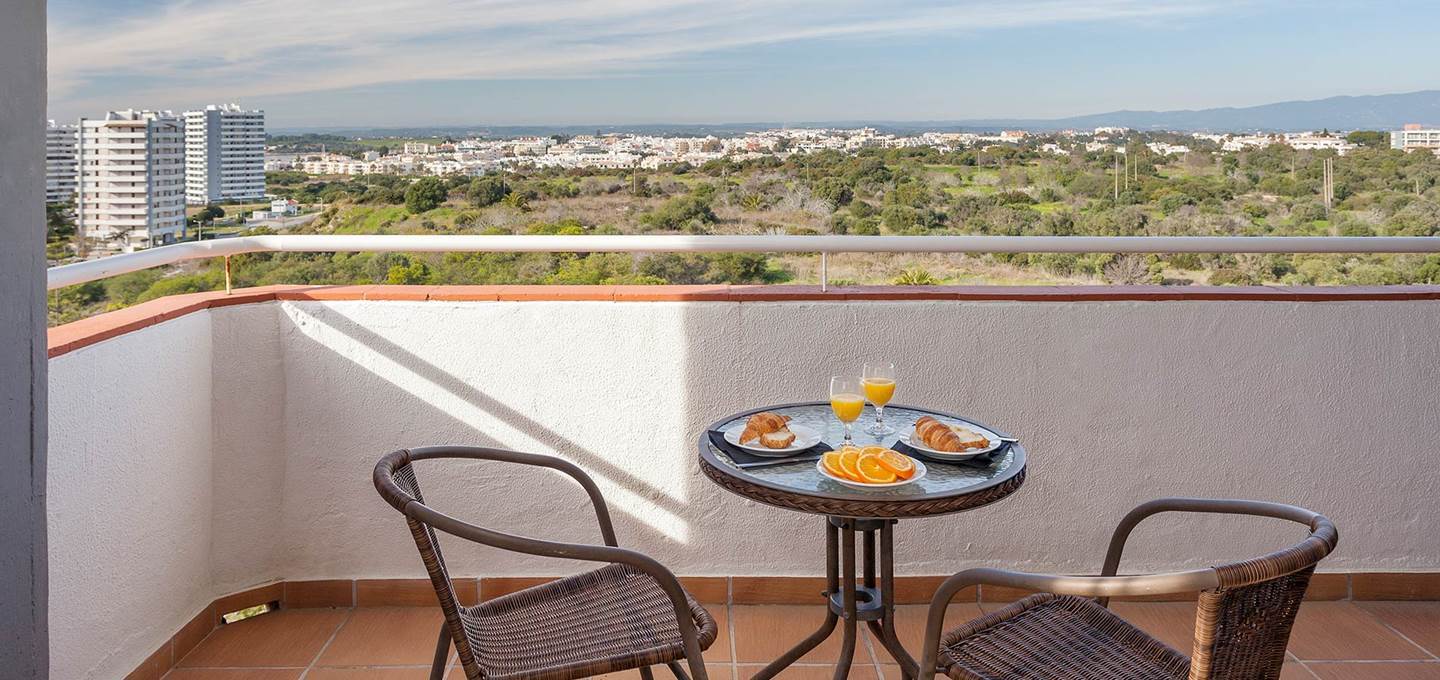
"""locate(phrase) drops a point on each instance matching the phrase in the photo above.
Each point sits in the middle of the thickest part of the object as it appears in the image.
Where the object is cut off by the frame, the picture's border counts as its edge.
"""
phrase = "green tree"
(60, 232)
(425, 195)
(835, 190)
(1373, 139)
(210, 213)
(413, 274)
(487, 191)
(691, 213)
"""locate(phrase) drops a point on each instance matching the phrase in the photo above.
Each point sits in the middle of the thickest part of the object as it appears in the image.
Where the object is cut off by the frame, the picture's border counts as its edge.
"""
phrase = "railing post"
(824, 271)
(227, 274)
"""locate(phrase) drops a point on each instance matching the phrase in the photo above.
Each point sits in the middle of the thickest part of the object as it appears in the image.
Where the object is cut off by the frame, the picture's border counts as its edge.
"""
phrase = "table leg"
(851, 602)
(832, 585)
(884, 629)
(847, 596)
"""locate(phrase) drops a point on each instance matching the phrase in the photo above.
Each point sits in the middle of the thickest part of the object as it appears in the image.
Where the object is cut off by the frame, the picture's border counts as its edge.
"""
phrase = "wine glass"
(878, 379)
(846, 401)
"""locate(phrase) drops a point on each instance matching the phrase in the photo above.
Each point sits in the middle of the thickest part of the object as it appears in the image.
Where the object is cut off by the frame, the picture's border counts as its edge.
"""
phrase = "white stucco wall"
(130, 496)
(269, 418)
(1327, 405)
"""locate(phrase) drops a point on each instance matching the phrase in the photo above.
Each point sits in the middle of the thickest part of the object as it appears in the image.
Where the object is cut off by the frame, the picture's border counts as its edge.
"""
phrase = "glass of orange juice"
(847, 402)
(878, 378)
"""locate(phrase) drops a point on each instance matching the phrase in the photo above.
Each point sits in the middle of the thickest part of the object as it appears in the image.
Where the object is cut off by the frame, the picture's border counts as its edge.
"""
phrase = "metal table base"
(852, 602)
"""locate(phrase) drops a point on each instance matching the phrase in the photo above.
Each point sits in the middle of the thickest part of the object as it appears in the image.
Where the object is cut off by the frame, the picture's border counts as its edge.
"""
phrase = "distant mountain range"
(1372, 112)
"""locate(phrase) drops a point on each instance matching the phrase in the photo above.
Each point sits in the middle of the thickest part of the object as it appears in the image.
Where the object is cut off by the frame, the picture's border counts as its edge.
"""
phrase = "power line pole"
(1127, 169)
(1329, 185)
(1117, 176)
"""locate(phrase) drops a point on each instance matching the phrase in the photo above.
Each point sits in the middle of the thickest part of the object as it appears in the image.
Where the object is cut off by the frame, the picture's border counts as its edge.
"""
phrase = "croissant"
(764, 422)
(942, 437)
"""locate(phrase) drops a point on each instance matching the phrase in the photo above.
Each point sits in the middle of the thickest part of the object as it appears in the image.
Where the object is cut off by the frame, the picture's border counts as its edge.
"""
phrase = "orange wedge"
(831, 462)
(872, 471)
(848, 459)
(896, 462)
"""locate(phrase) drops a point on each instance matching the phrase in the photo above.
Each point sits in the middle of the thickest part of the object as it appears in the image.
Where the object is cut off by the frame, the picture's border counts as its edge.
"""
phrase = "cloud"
(203, 50)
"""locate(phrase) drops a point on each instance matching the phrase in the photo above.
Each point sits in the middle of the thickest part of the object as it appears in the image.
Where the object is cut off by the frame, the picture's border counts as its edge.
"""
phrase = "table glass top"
(941, 479)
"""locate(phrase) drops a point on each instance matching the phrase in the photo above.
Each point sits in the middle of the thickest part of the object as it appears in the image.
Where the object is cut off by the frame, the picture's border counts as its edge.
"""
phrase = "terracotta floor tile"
(1172, 623)
(1342, 630)
(910, 625)
(716, 671)
(289, 637)
(1376, 671)
(1337, 640)
(858, 671)
(1419, 621)
(720, 649)
(235, 674)
(1295, 671)
(417, 673)
(1291, 671)
(385, 636)
(765, 631)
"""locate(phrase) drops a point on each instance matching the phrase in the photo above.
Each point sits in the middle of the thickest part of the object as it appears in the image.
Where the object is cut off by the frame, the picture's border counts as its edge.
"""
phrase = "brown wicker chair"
(1242, 625)
(632, 613)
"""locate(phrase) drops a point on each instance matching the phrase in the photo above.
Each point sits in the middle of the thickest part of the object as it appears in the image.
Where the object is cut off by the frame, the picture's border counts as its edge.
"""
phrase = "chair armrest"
(597, 501)
(1084, 586)
(1315, 521)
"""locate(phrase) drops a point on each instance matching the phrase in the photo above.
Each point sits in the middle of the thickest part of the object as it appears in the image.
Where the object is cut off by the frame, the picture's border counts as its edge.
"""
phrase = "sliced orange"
(873, 450)
(897, 462)
(872, 471)
(831, 462)
(848, 459)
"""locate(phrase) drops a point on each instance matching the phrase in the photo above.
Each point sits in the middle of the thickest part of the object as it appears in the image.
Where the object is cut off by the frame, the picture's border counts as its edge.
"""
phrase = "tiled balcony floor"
(1331, 641)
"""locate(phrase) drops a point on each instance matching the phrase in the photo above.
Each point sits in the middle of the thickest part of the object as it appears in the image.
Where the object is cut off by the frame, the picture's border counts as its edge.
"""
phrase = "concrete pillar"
(24, 644)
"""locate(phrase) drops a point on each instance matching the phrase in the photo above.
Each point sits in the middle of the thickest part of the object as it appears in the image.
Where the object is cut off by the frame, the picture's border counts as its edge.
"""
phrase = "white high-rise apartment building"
(60, 162)
(132, 180)
(224, 155)
(1415, 136)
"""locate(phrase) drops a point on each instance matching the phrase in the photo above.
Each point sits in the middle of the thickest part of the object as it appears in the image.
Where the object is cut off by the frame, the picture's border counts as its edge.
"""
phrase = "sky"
(409, 63)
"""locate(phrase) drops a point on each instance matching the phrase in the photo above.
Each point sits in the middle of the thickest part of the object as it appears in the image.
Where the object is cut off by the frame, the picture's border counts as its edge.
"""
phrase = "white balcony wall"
(232, 447)
(131, 495)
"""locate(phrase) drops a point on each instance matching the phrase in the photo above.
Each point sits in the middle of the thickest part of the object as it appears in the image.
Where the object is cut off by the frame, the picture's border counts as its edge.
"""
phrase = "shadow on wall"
(404, 399)
(1120, 403)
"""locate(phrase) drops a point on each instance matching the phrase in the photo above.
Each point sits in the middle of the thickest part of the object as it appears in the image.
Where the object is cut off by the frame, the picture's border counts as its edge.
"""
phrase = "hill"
(1369, 112)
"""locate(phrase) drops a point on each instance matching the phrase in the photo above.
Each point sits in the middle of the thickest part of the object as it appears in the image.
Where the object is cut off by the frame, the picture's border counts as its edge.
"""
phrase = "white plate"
(804, 438)
(995, 443)
(919, 475)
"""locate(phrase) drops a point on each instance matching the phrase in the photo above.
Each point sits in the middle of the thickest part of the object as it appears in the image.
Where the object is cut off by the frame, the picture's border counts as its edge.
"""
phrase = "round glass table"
(797, 485)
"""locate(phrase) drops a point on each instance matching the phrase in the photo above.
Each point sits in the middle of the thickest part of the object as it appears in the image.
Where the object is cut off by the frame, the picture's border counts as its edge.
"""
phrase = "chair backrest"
(397, 483)
(1243, 627)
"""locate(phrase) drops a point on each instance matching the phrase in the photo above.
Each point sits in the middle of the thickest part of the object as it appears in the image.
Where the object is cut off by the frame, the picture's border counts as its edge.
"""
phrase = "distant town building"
(1244, 142)
(1415, 136)
(280, 207)
(61, 165)
(419, 147)
(530, 145)
(131, 189)
(224, 155)
(1165, 149)
(1310, 141)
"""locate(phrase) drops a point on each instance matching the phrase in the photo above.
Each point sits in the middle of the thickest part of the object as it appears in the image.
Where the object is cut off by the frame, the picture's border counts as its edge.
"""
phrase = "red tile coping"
(73, 336)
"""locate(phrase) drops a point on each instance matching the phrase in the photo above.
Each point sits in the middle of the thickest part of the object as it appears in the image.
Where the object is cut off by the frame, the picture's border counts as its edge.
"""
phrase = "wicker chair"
(1242, 625)
(632, 613)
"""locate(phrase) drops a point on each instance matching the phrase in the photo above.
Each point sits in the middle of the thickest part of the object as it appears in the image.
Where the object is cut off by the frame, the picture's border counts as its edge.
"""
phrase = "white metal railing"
(92, 270)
